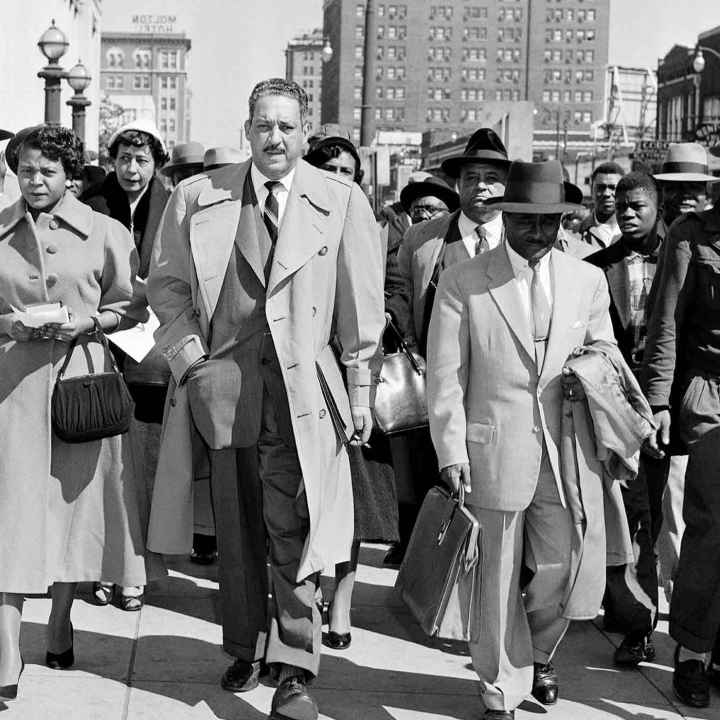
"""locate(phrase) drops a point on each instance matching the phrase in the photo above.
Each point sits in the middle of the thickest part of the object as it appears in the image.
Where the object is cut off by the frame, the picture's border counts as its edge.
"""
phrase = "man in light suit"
(257, 268)
(502, 327)
(430, 247)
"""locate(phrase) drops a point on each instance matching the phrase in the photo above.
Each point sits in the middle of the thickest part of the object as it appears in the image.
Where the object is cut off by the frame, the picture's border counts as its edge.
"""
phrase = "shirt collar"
(466, 226)
(519, 264)
(259, 179)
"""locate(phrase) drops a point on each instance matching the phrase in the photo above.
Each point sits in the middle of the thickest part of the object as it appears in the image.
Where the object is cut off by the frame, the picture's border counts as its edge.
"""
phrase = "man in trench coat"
(257, 268)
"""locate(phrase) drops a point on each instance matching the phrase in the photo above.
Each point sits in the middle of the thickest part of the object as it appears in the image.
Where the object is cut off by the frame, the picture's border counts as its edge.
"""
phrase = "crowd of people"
(573, 392)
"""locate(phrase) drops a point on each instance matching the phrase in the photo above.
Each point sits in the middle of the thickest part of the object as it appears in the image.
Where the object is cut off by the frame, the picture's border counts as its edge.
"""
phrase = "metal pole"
(53, 75)
(78, 103)
(557, 134)
(367, 117)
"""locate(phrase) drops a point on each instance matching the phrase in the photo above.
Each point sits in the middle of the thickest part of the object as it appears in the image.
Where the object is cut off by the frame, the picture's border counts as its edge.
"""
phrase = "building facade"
(146, 73)
(20, 88)
(436, 64)
(688, 95)
(303, 64)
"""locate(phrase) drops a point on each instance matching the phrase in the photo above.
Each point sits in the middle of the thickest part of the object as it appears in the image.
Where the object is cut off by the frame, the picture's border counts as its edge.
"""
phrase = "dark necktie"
(540, 314)
(481, 244)
(271, 218)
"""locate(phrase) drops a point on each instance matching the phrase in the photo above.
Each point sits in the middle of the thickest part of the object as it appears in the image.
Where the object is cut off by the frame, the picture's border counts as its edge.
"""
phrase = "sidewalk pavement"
(166, 662)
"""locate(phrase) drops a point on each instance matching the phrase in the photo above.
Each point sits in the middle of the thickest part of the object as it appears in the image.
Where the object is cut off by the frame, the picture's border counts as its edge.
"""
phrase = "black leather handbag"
(90, 407)
(400, 402)
(438, 578)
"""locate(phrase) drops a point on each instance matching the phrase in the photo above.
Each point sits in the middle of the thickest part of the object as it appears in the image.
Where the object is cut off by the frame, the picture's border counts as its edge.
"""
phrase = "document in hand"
(138, 341)
(36, 315)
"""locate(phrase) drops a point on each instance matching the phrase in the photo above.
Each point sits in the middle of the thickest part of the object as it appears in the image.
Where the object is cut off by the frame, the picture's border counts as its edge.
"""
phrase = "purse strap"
(404, 348)
(98, 333)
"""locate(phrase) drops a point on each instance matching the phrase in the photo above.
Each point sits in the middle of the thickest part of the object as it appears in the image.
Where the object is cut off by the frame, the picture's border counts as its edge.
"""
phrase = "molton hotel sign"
(154, 24)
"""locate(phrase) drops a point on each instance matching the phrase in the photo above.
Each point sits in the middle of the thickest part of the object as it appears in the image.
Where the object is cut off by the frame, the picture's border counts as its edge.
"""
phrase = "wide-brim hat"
(13, 147)
(483, 146)
(685, 162)
(220, 156)
(5, 134)
(184, 155)
(140, 125)
(433, 187)
(535, 188)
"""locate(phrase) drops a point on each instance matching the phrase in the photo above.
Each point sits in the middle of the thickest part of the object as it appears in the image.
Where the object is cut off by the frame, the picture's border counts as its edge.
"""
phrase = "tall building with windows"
(146, 73)
(303, 64)
(435, 65)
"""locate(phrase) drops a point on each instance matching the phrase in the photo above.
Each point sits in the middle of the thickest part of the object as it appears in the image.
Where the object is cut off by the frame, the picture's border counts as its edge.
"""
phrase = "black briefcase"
(438, 576)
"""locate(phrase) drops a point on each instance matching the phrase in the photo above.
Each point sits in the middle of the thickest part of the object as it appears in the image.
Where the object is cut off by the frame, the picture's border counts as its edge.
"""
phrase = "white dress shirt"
(281, 193)
(493, 232)
(523, 274)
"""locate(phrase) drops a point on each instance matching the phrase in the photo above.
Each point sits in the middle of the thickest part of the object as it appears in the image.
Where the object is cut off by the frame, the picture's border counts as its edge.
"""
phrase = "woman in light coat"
(69, 511)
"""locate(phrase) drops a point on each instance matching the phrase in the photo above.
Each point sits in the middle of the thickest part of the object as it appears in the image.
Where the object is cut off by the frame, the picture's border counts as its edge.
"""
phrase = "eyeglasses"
(427, 209)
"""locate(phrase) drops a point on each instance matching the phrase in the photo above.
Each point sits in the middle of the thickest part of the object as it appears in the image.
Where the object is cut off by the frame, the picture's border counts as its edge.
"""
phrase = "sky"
(235, 43)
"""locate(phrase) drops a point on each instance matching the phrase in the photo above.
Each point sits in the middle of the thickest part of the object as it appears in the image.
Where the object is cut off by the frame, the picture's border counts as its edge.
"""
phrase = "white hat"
(141, 125)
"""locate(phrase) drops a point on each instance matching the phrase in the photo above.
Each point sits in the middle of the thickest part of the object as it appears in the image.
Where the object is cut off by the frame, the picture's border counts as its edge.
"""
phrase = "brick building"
(436, 64)
(303, 64)
(147, 75)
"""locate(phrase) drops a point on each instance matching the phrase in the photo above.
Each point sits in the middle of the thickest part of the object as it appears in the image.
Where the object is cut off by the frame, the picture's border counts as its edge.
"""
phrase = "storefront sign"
(154, 24)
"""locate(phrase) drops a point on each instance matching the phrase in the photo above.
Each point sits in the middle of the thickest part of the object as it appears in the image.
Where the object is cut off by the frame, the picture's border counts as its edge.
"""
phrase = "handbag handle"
(98, 332)
(404, 347)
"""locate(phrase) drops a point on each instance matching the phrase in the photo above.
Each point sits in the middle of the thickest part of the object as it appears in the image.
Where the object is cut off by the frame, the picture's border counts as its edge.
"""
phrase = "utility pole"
(367, 117)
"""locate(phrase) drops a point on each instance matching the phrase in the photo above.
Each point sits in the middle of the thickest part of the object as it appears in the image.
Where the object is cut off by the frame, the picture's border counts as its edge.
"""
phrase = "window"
(475, 33)
(567, 96)
(357, 93)
(389, 113)
(173, 105)
(475, 12)
(358, 73)
(171, 125)
(392, 52)
(588, 75)
(357, 113)
(587, 117)
(391, 72)
(164, 82)
(358, 52)
(115, 57)
(143, 58)
(163, 103)
(578, 96)
(591, 15)
(546, 96)
(137, 82)
(379, 93)
(359, 32)
(390, 95)
(557, 35)
(378, 113)
(380, 32)
(173, 83)
(400, 93)
(555, 96)
(392, 32)
(360, 11)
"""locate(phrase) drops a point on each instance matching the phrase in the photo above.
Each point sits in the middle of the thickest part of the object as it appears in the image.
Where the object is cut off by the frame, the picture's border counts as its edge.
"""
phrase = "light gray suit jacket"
(488, 404)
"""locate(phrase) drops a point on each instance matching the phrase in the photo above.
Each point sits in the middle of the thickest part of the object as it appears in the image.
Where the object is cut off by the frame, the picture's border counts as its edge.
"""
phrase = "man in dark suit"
(257, 268)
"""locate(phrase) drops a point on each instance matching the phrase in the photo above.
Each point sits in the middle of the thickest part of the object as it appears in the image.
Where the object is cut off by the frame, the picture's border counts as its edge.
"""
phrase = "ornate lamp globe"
(78, 77)
(53, 43)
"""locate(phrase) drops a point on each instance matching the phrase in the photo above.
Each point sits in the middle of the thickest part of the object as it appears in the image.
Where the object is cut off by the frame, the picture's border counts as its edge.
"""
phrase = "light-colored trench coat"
(68, 512)
(325, 282)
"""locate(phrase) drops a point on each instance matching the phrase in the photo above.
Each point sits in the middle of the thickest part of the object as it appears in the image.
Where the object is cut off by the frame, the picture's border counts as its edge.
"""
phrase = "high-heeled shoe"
(63, 660)
(336, 641)
(9, 692)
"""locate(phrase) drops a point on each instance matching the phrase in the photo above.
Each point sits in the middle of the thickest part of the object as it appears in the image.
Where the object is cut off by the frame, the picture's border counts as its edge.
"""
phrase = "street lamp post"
(53, 44)
(367, 116)
(78, 78)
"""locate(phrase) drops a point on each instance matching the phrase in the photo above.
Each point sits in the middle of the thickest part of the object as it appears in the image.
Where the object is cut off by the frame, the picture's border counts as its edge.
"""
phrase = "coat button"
(52, 249)
(314, 311)
(322, 413)
(173, 402)
(51, 280)
(53, 224)
(323, 250)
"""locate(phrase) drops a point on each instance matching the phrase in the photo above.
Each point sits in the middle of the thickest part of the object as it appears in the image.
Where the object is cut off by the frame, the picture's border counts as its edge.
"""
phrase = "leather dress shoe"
(292, 701)
(545, 684)
(632, 651)
(241, 676)
(499, 715)
(691, 682)
(337, 641)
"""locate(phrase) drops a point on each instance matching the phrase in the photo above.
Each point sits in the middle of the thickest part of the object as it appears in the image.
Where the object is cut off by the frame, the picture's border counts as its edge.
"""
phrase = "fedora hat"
(185, 155)
(331, 134)
(685, 162)
(484, 145)
(535, 188)
(220, 156)
(13, 147)
(433, 187)
(5, 134)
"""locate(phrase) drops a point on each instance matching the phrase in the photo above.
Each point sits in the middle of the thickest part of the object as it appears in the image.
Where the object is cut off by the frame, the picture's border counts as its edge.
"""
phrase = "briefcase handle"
(452, 507)
(404, 348)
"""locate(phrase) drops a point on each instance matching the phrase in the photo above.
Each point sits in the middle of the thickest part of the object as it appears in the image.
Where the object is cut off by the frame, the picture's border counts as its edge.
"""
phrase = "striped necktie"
(271, 211)
(271, 215)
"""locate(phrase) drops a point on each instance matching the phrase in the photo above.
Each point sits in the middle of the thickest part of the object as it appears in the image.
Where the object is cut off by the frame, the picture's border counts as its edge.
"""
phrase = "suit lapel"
(566, 290)
(432, 248)
(303, 228)
(617, 283)
(213, 229)
(251, 231)
(504, 291)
